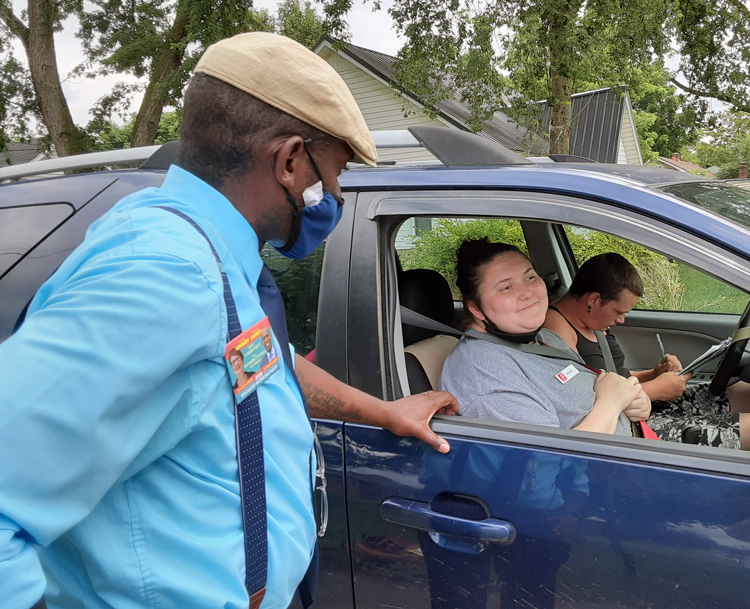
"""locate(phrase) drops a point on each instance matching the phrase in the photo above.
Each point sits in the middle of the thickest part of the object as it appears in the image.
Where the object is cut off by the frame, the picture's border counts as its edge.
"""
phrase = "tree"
(503, 54)
(17, 99)
(298, 20)
(107, 135)
(160, 41)
(714, 44)
(725, 145)
(36, 36)
(156, 41)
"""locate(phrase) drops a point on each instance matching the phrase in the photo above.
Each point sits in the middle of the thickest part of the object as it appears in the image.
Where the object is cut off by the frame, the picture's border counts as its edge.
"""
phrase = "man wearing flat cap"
(133, 476)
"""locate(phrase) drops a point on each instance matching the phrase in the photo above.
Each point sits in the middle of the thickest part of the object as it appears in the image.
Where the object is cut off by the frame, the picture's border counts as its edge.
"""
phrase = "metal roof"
(500, 128)
(596, 123)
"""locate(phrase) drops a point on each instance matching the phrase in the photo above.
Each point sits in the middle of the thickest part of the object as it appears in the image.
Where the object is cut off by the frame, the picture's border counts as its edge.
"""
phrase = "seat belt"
(609, 361)
(609, 366)
(413, 318)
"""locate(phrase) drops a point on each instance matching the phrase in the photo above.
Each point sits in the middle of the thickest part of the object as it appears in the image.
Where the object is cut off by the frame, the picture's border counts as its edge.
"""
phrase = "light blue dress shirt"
(118, 466)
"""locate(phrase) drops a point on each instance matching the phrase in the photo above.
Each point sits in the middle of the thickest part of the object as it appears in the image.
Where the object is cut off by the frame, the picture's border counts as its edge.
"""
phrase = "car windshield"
(728, 199)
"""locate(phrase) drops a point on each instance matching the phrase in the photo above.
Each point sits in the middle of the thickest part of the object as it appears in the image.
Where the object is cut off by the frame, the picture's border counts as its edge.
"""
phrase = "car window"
(668, 284)
(728, 199)
(21, 228)
(299, 284)
(431, 243)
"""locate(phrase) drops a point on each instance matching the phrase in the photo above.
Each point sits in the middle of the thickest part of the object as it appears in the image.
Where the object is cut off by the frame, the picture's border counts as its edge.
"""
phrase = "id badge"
(251, 359)
(568, 373)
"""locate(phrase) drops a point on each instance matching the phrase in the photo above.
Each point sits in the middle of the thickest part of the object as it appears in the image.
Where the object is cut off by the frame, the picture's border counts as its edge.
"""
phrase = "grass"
(706, 294)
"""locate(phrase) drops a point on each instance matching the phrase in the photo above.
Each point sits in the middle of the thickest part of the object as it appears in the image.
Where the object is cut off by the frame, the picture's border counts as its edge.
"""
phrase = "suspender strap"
(249, 436)
(249, 433)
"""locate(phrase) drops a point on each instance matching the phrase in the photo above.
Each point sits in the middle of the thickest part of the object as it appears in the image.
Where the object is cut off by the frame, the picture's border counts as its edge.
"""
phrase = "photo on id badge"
(251, 358)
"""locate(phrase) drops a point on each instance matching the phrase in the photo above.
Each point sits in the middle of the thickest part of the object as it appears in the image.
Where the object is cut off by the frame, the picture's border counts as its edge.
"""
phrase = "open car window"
(431, 243)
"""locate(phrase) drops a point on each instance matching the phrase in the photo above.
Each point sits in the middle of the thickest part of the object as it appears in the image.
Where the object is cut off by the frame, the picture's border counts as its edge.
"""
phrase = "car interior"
(687, 329)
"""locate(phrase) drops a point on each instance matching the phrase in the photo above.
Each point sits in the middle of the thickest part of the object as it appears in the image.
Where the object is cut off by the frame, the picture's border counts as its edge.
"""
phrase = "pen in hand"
(661, 348)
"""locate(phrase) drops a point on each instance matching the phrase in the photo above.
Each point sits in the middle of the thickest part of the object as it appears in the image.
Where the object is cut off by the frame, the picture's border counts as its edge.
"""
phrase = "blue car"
(515, 515)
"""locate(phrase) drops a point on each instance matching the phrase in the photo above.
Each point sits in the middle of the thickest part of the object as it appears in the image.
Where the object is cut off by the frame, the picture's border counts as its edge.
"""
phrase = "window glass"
(668, 284)
(299, 284)
(431, 243)
(727, 199)
(21, 228)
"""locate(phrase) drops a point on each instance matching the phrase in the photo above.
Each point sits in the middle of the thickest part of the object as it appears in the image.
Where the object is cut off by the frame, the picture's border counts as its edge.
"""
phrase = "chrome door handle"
(418, 515)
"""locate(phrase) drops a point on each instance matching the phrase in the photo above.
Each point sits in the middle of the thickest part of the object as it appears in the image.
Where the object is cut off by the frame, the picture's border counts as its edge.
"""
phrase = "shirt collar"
(206, 202)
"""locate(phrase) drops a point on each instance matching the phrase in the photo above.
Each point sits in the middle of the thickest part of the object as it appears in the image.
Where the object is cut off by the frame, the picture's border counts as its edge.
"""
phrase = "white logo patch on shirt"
(566, 374)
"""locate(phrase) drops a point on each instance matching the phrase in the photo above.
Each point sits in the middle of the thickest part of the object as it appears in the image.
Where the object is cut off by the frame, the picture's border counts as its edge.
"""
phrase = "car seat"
(426, 292)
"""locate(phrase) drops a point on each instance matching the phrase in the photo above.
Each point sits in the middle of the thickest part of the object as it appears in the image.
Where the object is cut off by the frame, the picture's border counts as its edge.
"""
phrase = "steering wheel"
(731, 360)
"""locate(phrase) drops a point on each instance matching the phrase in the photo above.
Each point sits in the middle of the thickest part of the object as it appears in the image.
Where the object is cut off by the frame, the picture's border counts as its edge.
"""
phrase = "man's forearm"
(329, 398)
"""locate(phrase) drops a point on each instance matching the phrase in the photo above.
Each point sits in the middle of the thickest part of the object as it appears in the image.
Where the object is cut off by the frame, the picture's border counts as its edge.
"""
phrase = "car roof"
(626, 186)
(631, 188)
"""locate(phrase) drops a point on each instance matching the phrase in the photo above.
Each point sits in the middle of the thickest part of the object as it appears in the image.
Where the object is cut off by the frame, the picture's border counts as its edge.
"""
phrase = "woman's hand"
(639, 408)
(669, 364)
(614, 394)
(615, 390)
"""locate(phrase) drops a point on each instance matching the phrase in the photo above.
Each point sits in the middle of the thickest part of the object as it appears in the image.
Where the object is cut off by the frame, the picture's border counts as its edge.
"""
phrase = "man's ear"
(594, 298)
(290, 165)
(475, 310)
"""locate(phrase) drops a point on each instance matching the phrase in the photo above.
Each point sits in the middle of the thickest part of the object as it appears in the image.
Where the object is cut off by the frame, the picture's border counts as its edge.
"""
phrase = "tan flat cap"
(290, 77)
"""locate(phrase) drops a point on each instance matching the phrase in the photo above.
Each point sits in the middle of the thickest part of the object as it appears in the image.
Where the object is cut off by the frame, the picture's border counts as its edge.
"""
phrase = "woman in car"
(493, 372)
(605, 288)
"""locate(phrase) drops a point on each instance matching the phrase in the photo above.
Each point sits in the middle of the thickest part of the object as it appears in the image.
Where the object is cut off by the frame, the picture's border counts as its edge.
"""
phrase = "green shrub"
(436, 249)
(663, 285)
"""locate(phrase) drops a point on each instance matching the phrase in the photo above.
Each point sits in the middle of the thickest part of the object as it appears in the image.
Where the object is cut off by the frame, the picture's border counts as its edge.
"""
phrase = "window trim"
(391, 209)
(656, 235)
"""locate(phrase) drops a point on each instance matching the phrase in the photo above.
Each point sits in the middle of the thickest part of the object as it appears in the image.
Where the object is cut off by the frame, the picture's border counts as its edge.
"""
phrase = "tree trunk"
(165, 64)
(561, 90)
(561, 18)
(67, 138)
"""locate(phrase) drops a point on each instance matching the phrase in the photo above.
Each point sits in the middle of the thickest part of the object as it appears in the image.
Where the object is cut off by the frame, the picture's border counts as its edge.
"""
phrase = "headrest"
(426, 292)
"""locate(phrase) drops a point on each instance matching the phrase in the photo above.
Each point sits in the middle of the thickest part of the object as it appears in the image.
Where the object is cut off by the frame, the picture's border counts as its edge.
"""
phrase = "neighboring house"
(19, 152)
(368, 75)
(685, 166)
(603, 127)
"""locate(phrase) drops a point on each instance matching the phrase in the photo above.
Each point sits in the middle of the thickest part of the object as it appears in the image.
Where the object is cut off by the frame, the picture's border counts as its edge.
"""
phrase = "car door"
(520, 515)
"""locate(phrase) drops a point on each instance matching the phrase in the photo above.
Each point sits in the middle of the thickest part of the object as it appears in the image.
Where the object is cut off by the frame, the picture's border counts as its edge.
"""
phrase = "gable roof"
(680, 165)
(500, 128)
(21, 152)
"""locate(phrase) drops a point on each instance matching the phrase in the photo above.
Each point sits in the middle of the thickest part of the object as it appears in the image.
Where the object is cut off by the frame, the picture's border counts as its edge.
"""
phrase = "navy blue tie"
(273, 306)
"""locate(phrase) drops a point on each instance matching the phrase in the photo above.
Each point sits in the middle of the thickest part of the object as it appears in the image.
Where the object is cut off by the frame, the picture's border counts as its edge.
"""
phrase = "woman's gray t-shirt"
(498, 382)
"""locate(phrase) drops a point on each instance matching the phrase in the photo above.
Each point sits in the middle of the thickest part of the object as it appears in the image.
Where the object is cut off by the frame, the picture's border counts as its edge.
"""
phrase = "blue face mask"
(312, 224)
